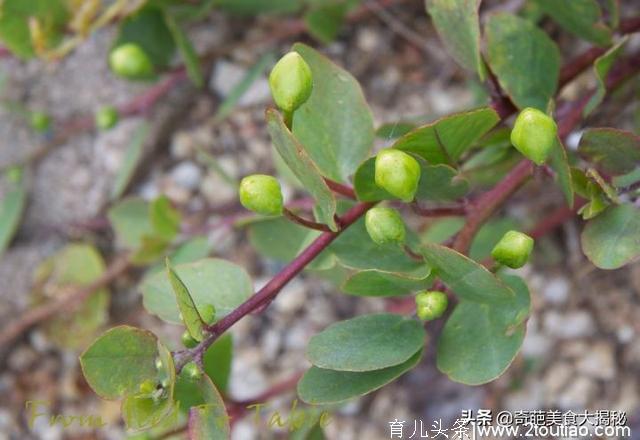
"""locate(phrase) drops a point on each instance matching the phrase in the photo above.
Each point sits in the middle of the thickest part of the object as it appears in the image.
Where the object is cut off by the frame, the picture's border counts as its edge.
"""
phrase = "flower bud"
(398, 173)
(384, 225)
(513, 249)
(187, 340)
(130, 61)
(208, 313)
(106, 118)
(147, 387)
(534, 134)
(262, 194)
(431, 305)
(191, 371)
(291, 82)
(40, 121)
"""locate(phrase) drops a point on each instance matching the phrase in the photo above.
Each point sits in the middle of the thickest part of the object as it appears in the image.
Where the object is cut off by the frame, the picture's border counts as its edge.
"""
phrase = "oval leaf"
(366, 343)
(190, 316)
(524, 59)
(335, 125)
(119, 361)
(612, 239)
(468, 280)
(378, 283)
(320, 386)
(210, 281)
(479, 341)
(616, 151)
(458, 25)
(297, 159)
(445, 140)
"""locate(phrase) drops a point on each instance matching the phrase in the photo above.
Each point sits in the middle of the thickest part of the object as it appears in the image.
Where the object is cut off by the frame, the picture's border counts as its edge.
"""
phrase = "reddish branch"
(65, 303)
(265, 295)
(304, 222)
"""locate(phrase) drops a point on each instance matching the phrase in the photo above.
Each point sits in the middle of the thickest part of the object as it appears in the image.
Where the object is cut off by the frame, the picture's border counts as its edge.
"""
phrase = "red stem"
(269, 291)
(304, 222)
(341, 189)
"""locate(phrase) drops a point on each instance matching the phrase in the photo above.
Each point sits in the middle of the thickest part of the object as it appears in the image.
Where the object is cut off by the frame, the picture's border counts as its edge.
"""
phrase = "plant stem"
(341, 189)
(304, 222)
(65, 303)
(439, 211)
(273, 287)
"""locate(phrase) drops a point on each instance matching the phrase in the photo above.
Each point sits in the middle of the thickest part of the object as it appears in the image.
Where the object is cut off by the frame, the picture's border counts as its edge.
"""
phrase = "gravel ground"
(581, 350)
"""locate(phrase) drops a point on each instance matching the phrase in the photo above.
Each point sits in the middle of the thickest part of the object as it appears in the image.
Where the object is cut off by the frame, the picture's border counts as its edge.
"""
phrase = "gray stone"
(186, 175)
(227, 75)
(571, 325)
(598, 361)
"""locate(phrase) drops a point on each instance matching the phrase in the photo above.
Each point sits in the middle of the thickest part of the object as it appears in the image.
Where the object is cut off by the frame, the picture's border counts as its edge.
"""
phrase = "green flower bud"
(398, 173)
(130, 61)
(106, 118)
(40, 121)
(534, 134)
(187, 340)
(384, 225)
(191, 371)
(291, 82)
(147, 387)
(208, 313)
(431, 305)
(262, 194)
(513, 249)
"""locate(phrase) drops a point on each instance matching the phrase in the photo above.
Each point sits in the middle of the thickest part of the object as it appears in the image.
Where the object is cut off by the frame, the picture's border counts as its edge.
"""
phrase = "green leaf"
(524, 59)
(296, 158)
(324, 22)
(355, 249)
(601, 68)
(378, 283)
(335, 125)
(208, 417)
(11, 209)
(616, 151)
(190, 392)
(321, 386)
(131, 160)
(444, 141)
(190, 316)
(148, 29)
(164, 218)
(479, 341)
(144, 411)
(209, 421)
(440, 183)
(282, 240)
(217, 361)
(580, 17)
(366, 343)
(457, 23)
(256, 7)
(626, 180)
(210, 281)
(130, 221)
(74, 266)
(612, 239)
(187, 52)
(393, 130)
(437, 183)
(14, 23)
(119, 361)
(467, 279)
(560, 165)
